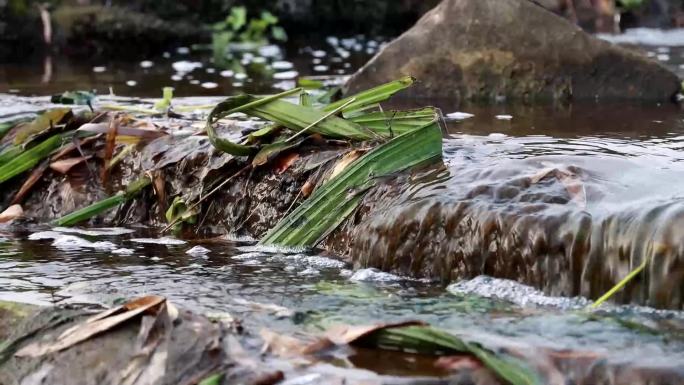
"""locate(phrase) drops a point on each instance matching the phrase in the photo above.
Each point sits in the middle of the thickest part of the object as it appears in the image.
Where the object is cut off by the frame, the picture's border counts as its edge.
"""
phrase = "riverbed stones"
(490, 50)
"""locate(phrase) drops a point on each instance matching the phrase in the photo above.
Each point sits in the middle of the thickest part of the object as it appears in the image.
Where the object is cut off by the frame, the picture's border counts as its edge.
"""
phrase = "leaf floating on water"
(11, 213)
(93, 326)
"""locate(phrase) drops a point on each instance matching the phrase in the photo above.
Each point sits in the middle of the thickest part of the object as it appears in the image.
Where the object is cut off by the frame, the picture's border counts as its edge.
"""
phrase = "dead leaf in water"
(348, 334)
(11, 213)
(458, 363)
(93, 326)
(287, 346)
(571, 181)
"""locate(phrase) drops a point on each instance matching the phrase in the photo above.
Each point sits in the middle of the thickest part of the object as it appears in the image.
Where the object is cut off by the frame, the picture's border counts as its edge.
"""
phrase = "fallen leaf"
(348, 334)
(110, 144)
(11, 213)
(287, 346)
(93, 326)
(308, 188)
(345, 161)
(28, 184)
(42, 123)
(284, 162)
(543, 173)
(63, 166)
(574, 186)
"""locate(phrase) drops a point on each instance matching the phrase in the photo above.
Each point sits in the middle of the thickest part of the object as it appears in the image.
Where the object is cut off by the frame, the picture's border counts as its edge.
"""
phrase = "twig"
(324, 117)
(202, 199)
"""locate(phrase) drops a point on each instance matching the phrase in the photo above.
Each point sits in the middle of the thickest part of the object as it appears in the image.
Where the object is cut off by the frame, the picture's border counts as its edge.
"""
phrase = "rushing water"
(628, 155)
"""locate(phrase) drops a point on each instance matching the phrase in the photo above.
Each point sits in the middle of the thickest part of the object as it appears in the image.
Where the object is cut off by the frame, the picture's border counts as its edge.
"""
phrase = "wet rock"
(485, 50)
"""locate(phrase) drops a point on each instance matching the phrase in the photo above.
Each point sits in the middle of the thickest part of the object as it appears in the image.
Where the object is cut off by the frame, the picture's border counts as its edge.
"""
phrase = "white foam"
(285, 75)
(282, 65)
(146, 64)
(512, 291)
(227, 73)
(458, 116)
(374, 275)
(309, 271)
(198, 251)
(94, 232)
(504, 117)
(319, 53)
(185, 66)
(72, 242)
(99, 69)
(123, 251)
(269, 51)
(209, 85)
(159, 241)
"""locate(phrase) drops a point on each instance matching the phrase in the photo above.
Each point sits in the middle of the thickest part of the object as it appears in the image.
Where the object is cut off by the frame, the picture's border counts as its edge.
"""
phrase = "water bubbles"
(99, 69)
(210, 70)
(209, 85)
(185, 66)
(198, 251)
(504, 117)
(194, 82)
(131, 83)
(176, 78)
(319, 53)
(183, 50)
(285, 75)
(227, 73)
(146, 64)
(159, 241)
(321, 68)
(458, 116)
(240, 76)
(282, 65)
(269, 51)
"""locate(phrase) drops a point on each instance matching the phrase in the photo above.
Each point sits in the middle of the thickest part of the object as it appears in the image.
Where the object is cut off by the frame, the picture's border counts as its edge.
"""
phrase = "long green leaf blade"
(104, 205)
(29, 158)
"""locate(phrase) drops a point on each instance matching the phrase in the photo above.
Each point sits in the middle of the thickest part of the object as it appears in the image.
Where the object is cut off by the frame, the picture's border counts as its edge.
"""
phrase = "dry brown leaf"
(282, 163)
(28, 184)
(287, 346)
(348, 334)
(11, 213)
(93, 326)
(574, 186)
(308, 188)
(110, 144)
(63, 166)
(543, 173)
(345, 161)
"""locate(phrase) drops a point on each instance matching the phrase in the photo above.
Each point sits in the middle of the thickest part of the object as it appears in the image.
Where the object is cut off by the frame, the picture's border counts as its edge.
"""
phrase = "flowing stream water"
(629, 158)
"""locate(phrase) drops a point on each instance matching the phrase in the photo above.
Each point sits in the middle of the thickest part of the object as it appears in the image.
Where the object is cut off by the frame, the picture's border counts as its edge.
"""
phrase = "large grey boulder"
(489, 49)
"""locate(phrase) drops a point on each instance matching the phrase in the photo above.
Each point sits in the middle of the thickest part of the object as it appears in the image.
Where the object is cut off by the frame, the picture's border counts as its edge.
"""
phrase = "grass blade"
(28, 159)
(99, 207)
(373, 95)
(620, 284)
